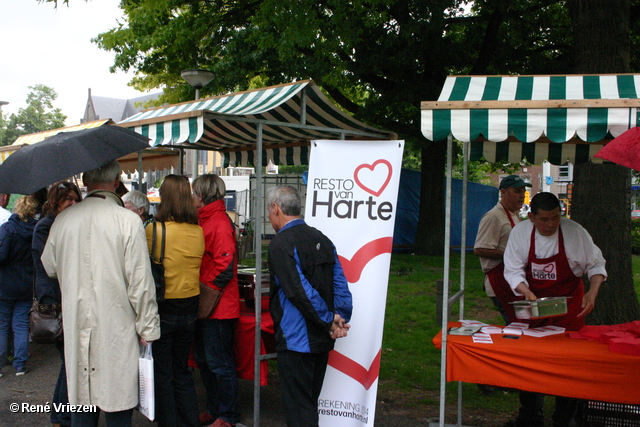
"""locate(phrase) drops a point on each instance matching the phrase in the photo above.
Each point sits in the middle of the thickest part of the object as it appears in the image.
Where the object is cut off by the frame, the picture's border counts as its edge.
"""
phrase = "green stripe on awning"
(558, 87)
(492, 89)
(627, 87)
(524, 88)
(460, 89)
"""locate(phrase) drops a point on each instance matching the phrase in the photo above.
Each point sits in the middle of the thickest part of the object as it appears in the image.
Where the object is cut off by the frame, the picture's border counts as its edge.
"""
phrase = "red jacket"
(219, 267)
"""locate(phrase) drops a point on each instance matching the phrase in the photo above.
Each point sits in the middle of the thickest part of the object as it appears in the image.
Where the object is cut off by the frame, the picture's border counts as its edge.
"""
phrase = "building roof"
(102, 107)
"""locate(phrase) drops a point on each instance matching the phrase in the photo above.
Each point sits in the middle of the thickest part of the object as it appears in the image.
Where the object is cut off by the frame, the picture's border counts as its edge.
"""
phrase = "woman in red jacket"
(214, 339)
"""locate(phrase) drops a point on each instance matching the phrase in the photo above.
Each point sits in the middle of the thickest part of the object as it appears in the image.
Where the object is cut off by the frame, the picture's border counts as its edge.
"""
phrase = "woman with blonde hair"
(16, 281)
(61, 195)
(176, 400)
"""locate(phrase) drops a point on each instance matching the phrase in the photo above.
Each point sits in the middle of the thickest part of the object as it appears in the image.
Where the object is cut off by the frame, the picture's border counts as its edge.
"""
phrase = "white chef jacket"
(583, 255)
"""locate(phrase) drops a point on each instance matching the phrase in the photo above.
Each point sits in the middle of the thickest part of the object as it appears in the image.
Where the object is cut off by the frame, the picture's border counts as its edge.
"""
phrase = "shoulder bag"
(157, 268)
(45, 322)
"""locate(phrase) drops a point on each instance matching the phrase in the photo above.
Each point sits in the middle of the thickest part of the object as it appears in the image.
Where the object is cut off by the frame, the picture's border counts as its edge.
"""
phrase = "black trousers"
(531, 415)
(301, 377)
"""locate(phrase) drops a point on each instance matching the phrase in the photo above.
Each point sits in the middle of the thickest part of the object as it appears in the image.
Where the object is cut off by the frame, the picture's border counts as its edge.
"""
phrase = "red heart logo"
(353, 268)
(349, 367)
(372, 168)
(548, 268)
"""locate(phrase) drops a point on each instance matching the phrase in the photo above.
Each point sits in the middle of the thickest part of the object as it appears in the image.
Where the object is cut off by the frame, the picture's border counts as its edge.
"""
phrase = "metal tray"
(540, 308)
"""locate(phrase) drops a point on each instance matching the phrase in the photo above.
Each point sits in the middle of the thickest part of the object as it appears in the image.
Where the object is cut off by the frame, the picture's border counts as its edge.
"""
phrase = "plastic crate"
(605, 414)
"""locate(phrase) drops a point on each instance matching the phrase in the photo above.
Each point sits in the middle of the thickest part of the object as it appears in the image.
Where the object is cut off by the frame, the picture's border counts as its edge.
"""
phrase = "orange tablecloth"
(555, 365)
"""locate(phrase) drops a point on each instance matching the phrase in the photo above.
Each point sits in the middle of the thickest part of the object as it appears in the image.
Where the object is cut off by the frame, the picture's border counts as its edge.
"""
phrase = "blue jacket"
(308, 287)
(16, 262)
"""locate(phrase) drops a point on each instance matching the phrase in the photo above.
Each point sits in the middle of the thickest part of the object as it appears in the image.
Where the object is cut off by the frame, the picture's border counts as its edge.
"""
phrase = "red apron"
(552, 277)
(500, 287)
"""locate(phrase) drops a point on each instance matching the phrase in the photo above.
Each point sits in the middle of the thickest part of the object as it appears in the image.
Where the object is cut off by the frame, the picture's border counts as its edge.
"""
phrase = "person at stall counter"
(547, 257)
(493, 233)
(310, 304)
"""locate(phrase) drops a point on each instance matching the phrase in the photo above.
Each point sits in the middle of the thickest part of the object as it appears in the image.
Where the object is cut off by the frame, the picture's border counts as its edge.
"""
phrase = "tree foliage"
(378, 59)
(39, 115)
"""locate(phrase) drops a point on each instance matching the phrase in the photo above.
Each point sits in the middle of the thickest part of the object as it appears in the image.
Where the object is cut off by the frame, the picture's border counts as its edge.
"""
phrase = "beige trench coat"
(98, 251)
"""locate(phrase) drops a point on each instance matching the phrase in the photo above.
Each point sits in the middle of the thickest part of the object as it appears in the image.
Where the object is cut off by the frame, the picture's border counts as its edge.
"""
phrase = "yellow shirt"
(183, 252)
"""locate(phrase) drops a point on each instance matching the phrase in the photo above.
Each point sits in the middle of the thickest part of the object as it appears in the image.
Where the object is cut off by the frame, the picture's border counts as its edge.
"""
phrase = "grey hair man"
(98, 251)
(310, 304)
(137, 202)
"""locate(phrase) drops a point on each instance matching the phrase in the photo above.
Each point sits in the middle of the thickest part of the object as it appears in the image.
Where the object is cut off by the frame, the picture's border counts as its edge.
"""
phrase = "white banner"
(352, 193)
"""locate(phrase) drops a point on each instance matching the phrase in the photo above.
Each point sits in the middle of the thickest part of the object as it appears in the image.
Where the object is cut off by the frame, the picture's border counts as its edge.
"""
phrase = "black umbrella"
(66, 154)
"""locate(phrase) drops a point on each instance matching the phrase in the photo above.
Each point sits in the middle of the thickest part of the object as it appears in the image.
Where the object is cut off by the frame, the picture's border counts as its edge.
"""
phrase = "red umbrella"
(623, 150)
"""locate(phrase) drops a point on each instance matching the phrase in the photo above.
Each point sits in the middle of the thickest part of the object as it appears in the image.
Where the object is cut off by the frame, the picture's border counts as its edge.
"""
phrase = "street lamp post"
(197, 79)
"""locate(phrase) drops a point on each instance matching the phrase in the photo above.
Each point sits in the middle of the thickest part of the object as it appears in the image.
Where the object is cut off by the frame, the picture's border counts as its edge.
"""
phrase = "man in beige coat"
(98, 251)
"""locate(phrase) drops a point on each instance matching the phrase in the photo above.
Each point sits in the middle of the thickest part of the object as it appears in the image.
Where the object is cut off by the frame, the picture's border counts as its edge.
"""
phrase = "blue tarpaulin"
(480, 199)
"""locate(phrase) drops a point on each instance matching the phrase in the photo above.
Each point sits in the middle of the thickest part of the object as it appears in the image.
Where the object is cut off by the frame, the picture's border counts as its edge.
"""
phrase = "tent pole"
(181, 160)
(140, 172)
(463, 250)
(257, 235)
(445, 289)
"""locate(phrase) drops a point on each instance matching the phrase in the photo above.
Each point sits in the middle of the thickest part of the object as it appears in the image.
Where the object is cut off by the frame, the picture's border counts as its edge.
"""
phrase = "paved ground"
(36, 388)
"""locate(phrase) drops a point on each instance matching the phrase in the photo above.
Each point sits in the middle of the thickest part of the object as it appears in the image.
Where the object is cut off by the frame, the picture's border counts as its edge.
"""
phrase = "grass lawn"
(410, 366)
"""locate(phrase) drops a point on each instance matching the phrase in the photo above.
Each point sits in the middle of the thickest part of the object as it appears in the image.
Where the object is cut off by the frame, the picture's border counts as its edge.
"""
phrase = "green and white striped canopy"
(291, 116)
(554, 118)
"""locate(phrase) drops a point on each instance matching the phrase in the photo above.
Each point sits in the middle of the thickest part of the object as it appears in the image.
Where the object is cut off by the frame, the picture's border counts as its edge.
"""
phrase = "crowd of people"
(91, 257)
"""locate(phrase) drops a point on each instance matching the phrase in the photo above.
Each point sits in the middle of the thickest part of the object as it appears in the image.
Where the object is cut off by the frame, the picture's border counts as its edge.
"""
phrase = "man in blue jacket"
(310, 304)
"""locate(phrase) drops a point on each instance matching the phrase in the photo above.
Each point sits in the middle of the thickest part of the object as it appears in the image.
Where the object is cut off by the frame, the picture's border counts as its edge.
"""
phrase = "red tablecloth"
(555, 365)
(244, 345)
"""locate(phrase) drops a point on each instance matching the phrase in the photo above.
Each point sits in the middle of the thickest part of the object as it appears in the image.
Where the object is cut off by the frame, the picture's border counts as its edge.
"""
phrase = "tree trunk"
(601, 201)
(429, 238)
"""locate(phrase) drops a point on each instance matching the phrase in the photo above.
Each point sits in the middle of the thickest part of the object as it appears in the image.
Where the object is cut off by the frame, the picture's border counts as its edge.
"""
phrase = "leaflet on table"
(464, 330)
(491, 329)
(473, 323)
(480, 338)
(544, 331)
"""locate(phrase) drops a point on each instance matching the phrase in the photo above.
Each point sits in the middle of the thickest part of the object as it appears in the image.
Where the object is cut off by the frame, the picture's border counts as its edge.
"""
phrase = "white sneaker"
(20, 372)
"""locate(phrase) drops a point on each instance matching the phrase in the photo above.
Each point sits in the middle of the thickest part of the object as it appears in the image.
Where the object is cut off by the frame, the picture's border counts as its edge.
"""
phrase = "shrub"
(635, 236)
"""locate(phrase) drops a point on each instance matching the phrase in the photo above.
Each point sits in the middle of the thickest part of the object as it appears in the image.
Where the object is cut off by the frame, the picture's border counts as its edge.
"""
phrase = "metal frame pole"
(257, 231)
(446, 284)
(463, 252)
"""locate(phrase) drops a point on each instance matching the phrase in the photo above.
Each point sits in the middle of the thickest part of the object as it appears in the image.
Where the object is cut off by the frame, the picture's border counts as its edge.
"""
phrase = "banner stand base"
(446, 425)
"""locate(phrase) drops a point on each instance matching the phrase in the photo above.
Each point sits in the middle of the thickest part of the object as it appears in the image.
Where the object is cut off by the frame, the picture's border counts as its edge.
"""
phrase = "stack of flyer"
(491, 329)
(515, 328)
(544, 331)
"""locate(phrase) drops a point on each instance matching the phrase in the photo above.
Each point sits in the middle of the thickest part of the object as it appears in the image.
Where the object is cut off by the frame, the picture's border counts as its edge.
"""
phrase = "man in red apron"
(547, 257)
(491, 240)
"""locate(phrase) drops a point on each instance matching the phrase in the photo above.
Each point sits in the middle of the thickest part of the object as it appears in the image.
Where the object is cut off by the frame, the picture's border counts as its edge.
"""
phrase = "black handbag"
(45, 322)
(157, 268)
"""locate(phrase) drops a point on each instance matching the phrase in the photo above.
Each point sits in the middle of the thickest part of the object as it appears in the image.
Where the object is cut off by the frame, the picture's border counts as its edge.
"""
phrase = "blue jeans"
(176, 399)
(60, 394)
(15, 315)
(214, 354)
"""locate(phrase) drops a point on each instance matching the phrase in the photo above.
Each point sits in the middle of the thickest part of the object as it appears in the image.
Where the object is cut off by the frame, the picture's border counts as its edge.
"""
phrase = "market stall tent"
(275, 123)
(559, 118)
